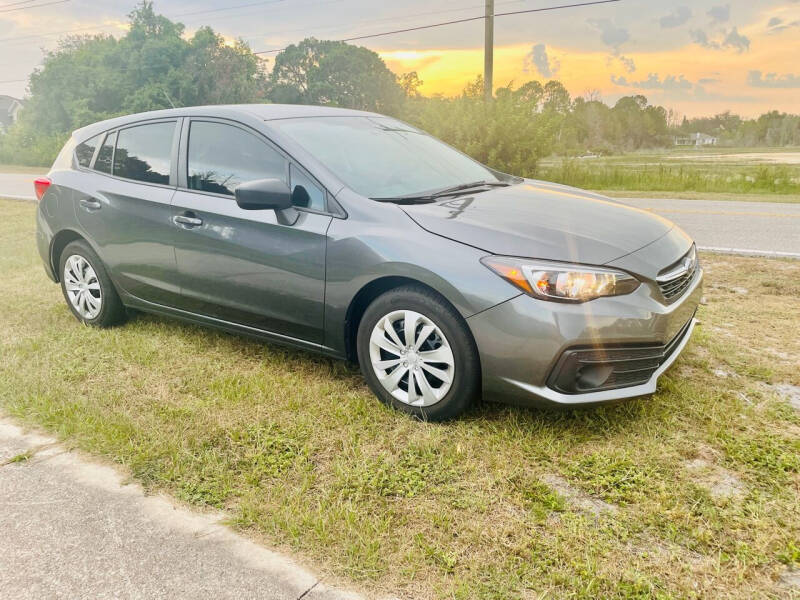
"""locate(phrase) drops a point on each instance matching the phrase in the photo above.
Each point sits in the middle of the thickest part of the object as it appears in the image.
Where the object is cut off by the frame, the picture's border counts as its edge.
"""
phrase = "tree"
(91, 78)
(334, 73)
(410, 82)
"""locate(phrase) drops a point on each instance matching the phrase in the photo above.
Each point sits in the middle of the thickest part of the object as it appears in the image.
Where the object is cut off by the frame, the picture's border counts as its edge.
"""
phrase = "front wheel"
(417, 354)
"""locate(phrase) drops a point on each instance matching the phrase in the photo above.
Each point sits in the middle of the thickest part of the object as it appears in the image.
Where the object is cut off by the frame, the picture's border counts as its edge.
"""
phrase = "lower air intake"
(606, 368)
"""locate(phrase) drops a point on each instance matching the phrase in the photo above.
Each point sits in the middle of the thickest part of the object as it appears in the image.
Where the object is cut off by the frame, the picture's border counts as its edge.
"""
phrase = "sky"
(698, 57)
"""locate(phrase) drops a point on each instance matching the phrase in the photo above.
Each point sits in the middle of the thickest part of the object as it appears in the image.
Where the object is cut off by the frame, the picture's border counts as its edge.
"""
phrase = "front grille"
(677, 278)
(598, 369)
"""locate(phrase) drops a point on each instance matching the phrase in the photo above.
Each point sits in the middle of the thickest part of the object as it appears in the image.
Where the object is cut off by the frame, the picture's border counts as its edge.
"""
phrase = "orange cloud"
(720, 78)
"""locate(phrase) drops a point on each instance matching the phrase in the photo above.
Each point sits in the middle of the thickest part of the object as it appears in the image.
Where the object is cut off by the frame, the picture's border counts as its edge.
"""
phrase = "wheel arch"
(57, 245)
(369, 292)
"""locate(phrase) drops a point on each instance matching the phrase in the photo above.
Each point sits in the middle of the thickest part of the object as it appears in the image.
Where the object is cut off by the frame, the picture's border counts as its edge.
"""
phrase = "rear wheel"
(88, 290)
(417, 354)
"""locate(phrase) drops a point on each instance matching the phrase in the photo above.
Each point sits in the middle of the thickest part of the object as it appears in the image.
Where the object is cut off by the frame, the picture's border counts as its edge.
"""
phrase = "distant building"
(9, 109)
(696, 139)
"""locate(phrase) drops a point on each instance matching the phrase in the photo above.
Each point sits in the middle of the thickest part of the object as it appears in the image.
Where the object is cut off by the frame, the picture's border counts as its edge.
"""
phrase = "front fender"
(360, 253)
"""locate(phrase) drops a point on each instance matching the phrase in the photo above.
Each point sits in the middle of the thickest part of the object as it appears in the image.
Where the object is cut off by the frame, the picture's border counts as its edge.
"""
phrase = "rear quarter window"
(64, 158)
(85, 151)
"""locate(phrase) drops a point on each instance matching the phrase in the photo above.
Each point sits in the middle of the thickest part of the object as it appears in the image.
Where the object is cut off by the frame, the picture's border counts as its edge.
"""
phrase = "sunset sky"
(698, 57)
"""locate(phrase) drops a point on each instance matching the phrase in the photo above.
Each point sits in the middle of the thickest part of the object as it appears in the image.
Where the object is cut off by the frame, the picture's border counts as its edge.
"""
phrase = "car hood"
(542, 220)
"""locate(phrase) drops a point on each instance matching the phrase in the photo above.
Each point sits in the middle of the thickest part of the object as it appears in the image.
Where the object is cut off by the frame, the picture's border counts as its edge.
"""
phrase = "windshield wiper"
(448, 191)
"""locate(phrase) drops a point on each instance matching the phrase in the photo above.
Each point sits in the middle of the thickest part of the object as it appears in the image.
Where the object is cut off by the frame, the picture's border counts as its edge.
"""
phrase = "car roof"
(265, 112)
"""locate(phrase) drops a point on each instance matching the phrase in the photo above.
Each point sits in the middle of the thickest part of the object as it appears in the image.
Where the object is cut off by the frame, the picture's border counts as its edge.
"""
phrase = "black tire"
(112, 311)
(465, 387)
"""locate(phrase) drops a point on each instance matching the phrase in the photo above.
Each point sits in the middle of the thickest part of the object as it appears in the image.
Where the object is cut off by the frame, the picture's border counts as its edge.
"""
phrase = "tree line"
(154, 66)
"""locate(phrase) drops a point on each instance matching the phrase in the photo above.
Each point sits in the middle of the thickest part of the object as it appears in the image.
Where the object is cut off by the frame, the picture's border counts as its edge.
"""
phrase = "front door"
(245, 266)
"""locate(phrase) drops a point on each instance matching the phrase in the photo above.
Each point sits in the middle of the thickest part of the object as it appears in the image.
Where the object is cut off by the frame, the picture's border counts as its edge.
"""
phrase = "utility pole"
(488, 52)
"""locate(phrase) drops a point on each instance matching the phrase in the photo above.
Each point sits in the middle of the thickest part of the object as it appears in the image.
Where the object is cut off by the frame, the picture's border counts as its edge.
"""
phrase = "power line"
(35, 6)
(456, 21)
(16, 3)
(385, 33)
(101, 27)
(211, 10)
(394, 18)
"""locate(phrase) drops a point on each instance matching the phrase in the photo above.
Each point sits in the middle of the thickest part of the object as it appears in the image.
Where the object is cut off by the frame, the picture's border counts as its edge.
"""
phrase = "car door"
(247, 266)
(124, 207)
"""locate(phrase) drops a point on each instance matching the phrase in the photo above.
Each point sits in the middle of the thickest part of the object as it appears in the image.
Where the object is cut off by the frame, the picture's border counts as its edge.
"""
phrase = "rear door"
(246, 266)
(125, 207)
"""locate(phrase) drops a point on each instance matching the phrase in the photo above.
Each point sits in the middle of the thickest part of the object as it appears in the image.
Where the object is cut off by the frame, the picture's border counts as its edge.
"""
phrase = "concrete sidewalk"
(70, 529)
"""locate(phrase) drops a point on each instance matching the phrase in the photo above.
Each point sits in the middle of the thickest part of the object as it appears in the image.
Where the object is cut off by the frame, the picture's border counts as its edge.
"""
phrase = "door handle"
(187, 221)
(90, 204)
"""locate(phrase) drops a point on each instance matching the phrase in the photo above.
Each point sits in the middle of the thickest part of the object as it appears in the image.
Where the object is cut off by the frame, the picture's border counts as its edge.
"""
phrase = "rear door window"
(144, 152)
(103, 162)
(85, 151)
(221, 156)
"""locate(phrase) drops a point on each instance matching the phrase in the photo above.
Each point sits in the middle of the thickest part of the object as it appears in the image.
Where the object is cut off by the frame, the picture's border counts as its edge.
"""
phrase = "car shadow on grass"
(603, 419)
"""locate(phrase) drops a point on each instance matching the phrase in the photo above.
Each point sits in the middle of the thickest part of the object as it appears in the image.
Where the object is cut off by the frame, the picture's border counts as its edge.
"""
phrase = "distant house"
(696, 139)
(9, 109)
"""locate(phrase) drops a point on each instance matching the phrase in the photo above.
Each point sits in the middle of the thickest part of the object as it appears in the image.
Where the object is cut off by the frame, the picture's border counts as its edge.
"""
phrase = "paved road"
(70, 529)
(16, 185)
(767, 228)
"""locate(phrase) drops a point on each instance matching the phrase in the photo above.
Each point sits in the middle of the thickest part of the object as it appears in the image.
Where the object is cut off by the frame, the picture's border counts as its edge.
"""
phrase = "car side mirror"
(263, 194)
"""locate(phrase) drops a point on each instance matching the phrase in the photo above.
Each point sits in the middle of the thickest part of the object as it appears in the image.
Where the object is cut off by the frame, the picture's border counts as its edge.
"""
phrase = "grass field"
(711, 170)
(691, 493)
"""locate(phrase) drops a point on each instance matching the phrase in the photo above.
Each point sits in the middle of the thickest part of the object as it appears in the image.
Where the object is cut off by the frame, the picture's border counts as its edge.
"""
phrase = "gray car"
(361, 237)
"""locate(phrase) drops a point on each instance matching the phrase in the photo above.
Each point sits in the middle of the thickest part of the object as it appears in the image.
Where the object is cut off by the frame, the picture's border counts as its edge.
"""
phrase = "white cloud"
(720, 14)
(732, 39)
(538, 57)
(773, 80)
(611, 34)
(676, 18)
(655, 82)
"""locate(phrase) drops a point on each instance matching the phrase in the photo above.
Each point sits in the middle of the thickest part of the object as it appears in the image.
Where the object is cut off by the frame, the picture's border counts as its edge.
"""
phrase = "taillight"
(40, 185)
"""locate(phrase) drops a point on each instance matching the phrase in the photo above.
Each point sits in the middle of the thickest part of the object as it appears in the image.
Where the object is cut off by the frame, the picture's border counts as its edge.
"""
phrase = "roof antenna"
(168, 98)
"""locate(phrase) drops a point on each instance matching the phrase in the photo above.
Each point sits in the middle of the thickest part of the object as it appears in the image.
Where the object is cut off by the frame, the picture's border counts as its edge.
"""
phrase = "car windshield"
(379, 157)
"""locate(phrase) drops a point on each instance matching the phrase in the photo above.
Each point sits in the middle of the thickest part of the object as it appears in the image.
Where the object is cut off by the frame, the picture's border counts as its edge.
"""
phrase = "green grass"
(709, 171)
(18, 458)
(300, 455)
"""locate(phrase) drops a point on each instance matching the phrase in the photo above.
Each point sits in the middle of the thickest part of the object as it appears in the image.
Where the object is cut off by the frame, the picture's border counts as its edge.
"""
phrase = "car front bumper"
(521, 342)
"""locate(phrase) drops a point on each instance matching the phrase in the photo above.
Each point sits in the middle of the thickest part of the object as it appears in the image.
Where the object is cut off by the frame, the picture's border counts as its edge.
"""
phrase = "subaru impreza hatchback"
(361, 237)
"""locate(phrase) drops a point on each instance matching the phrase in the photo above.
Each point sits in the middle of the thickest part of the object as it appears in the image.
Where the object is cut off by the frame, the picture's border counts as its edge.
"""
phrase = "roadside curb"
(749, 252)
(33, 456)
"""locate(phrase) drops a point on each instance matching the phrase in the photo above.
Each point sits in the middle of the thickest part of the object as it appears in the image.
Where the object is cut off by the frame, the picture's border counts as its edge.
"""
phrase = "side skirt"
(133, 302)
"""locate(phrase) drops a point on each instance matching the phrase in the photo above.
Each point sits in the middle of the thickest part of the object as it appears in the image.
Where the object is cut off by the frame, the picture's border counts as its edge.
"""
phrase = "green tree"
(509, 134)
(91, 78)
(334, 73)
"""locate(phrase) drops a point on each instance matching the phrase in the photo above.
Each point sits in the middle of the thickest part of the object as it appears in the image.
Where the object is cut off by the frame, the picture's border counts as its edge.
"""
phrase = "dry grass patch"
(301, 456)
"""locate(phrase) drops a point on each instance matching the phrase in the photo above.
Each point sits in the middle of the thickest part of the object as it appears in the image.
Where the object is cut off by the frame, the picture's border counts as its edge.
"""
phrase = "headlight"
(561, 282)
